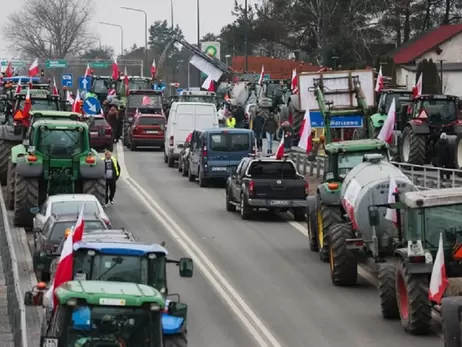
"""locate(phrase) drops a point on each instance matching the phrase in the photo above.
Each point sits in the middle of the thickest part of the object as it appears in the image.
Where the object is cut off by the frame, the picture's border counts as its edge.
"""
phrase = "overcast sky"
(214, 15)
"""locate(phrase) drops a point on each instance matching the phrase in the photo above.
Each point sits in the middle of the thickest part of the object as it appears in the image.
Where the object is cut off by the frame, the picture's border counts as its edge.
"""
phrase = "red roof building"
(427, 42)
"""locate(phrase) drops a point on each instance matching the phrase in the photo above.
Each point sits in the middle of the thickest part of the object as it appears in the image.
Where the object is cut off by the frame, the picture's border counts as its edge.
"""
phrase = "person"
(112, 174)
(239, 115)
(287, 132)
(442, 151)
(257, 127)
(230, 121)
(270, 127)
(112, 119)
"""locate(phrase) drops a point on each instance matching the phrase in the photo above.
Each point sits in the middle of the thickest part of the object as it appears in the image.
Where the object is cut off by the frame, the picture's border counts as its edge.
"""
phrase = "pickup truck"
(266, 183)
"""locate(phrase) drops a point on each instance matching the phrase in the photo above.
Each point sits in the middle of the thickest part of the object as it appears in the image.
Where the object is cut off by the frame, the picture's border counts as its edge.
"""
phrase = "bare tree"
(50, 28)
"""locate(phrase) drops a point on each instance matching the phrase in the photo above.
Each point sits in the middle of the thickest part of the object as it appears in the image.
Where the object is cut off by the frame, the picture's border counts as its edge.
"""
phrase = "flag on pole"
(77, 104)
(306, 141)
(294, 82)
(9, 69)
(18, 87)
(262, 75)
(153, 69)
(417, 89)
(438, 281)
(115, 70)
(386, 133)
(391, 212)
(34, 69)
(55, 88)
(379, 82)
(280, 150)
(87, 71)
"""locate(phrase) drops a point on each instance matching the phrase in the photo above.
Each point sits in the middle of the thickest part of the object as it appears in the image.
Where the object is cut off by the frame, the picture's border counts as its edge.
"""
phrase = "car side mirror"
(34, 210)
(186, 266)
(374, 216)
(177, 309)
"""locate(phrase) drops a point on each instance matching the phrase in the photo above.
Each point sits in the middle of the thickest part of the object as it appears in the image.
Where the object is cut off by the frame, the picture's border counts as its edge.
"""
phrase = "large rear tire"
(10, 183)
(387, 291)
(413, 147)
(458, 155)
(5, 152)
(328, 216)
(26, 196)
(177, 340)
(414, 305)
(343, 262)
(450, 316)
(312, 228)
(95, 187)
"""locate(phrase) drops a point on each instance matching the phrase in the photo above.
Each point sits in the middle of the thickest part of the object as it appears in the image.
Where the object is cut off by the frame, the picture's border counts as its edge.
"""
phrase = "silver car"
(65, 204)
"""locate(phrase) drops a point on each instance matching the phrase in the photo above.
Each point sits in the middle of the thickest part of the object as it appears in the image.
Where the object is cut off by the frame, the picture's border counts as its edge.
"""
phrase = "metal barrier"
(16, 307)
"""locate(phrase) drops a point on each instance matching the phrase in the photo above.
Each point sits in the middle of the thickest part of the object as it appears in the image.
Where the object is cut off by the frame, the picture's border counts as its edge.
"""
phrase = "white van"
(184, 117)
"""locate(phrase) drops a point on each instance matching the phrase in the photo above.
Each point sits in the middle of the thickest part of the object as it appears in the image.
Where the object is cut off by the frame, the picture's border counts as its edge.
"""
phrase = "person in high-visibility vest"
(112, 174)
(230, 121)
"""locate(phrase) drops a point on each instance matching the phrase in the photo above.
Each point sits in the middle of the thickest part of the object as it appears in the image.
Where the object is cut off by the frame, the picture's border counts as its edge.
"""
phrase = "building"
(444, 46)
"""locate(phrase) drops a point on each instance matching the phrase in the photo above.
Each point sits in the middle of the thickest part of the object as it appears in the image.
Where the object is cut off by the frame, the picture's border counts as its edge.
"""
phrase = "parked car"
(48, 238)
(147, 130)
(101, 136)
(64, 204)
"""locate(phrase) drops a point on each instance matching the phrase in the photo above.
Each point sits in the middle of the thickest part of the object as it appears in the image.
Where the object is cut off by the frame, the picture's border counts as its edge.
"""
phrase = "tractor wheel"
(387, 291)
(359, 134)
(328, 216)
(10, 183)
(450, 317)
(26, 196)
(5, 151)
(177, 340)
(413, 147)
(458, 155)
(414, 305)
(343, 262)
(97, 188)
(229, 206)
(312, 228)
(170, 162)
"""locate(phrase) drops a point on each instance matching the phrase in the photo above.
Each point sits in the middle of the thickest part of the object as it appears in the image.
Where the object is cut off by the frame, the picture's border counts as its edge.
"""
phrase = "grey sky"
(214, 15)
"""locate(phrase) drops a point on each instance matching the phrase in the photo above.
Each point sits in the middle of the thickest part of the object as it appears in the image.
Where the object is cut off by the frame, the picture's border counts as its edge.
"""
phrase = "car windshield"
(445, 220)
(41, 105)
(100, 86)
(59, 228)
(348, 160)
(120, 268)
(60, 143)
(198, 98)
(113, 326)
(74, 206)
(145, 101)
(230, 142)
(272, 169)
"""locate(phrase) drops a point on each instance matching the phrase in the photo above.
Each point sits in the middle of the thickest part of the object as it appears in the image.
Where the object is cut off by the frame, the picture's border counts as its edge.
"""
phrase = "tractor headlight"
(72, 302)
(80, 129)
(155, 307)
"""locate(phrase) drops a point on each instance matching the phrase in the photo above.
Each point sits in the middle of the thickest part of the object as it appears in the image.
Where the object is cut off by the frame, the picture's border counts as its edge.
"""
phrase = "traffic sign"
(66, 80)
(99, 64)
(14, 63)
(91, 106)
(84, 83)
(53, 64)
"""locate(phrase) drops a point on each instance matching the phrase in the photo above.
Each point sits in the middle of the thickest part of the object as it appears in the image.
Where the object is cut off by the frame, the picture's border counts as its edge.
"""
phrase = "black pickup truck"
(266, 183)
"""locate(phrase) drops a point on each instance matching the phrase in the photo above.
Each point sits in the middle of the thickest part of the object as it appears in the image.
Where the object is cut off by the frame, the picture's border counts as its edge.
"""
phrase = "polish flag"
(294, 82)
(153, 69)
(379, 82)
(87, 71)
(417, 89)
(27, 105)
(34, 69)
(208, 84)
(77, 105)
(115, 70)
(69, 99)
(280, 150)
(126, 82)
(438, 280)
(9, 69)
(111, 92)
(391, 212)
(55, 89)
(306, 142)
(262, 74)
(18, 87)
(386, 133)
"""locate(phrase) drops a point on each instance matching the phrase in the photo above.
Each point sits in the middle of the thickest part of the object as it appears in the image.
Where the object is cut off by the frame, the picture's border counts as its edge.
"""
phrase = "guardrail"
(428, 177)
(16, 307)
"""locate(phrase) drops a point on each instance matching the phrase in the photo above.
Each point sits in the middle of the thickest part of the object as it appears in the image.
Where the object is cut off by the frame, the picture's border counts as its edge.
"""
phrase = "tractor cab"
(402, 97)
(434, 110)
(146, 101)
(138, 82)
(41, 99)
(109, 314)
(101, 85)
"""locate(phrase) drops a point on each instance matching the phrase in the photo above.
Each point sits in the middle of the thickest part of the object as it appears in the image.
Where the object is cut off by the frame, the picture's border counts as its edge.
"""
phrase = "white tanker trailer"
(365, 185)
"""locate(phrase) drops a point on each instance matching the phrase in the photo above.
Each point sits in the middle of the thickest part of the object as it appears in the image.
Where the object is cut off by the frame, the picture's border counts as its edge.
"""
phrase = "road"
(284, 292)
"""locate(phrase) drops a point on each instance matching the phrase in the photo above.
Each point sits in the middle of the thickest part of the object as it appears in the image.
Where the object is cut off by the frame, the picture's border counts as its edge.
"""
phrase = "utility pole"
(199, 73)
(246, 37)
(441, 75)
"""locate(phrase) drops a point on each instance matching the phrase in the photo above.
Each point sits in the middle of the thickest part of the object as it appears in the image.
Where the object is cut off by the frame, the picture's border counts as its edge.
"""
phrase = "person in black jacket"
(257, 127)
(288, 133)
(442, 151)
(270, 128)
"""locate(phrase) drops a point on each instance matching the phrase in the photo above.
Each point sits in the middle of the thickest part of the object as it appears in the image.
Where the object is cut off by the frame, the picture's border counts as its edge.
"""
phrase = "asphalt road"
(266, 261)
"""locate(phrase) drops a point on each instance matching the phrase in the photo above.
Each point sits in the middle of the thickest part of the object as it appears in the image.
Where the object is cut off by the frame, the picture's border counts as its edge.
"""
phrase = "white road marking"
(257, 329)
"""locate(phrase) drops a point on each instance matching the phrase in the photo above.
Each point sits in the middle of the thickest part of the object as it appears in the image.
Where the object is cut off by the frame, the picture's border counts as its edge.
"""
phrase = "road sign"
(66, 80)
(53, 64)
(99, 64)
(84, 83)
(91, 106)
(353, 121)
(14, 63)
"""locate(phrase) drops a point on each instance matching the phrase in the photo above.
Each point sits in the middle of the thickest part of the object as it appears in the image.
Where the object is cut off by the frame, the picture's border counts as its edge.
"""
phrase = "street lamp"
(198, 39)
(145, 33)
(171, 12)
(121, 34)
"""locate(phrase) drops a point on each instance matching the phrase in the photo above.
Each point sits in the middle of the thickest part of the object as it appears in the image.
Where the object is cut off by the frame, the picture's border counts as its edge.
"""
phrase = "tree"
(104, 53)
(50, 28)
(160, 34)
(431, 82)
(209, 37)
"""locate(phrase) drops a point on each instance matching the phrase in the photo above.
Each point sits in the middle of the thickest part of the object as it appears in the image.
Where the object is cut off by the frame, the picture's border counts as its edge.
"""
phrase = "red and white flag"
(209, 84)
(379, 82)
(87, 71)
(34, 69)
(55, 88)
(294, 82)
(153, 69)
(77, 104)
(69, 98)
(18, 87)
(417, 89)
(262, 75)
(115, 70)
(111, 92)
(66, 262)
(386, 133)
(9, 69)
(280, 150)
(306, 141)
(391, 212)
(438, 280)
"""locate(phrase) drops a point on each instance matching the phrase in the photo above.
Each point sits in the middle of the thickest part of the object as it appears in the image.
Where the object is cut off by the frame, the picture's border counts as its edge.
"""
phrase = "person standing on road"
(257, 127)
(112, 174)
(287, 132)
(112, 119)
(270, 127)
(442, 151)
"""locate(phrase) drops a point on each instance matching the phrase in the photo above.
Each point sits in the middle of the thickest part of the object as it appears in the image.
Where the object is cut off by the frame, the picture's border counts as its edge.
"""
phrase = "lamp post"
(121, 34)
(145, 33)
(171, 13)
(246, 38)
(198, 39)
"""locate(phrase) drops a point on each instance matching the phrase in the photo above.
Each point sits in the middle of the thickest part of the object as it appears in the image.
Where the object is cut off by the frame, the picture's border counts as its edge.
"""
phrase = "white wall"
(452, 51)
(405, 77)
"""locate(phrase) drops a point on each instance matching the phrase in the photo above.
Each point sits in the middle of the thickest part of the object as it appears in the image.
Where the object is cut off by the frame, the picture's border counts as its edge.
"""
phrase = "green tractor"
(325, 209)
(55, 158)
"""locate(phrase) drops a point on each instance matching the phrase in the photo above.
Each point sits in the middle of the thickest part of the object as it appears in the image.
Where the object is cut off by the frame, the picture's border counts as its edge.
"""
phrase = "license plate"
(93, 133)
(218, 169)
(152, 132)
(279, 202)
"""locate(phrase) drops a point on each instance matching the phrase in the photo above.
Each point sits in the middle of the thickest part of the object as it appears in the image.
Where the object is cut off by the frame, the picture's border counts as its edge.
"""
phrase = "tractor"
(54, 158)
